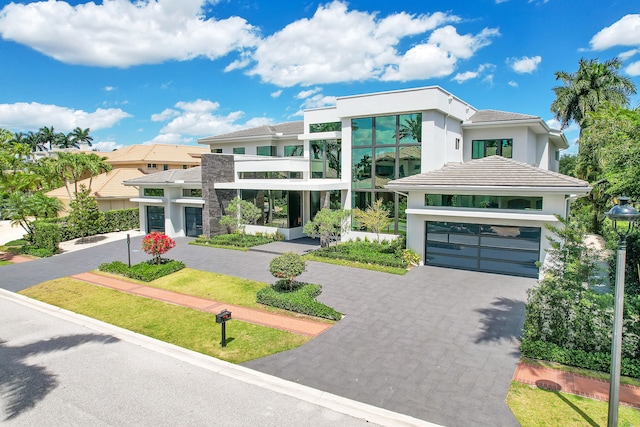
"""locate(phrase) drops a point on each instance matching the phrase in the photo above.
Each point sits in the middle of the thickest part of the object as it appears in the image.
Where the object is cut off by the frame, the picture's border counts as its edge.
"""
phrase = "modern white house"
(469, 188)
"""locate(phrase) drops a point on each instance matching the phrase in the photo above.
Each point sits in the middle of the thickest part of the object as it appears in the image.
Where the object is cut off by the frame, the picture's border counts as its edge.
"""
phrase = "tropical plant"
(48, 136)
(585, 90)
(411, 128)
(79, 136)
(329, 224)
(22, 208)
(35, 141)
(157, 244)
(240, 214)
(85, 216)
(375, 218)
(74, 167)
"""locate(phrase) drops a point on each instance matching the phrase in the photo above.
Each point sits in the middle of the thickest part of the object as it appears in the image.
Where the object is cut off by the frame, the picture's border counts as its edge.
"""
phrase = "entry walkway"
(567, 382)
(258, 317)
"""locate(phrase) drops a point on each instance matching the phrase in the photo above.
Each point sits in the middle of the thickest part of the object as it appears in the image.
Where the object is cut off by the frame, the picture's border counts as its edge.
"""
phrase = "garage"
(499, 249)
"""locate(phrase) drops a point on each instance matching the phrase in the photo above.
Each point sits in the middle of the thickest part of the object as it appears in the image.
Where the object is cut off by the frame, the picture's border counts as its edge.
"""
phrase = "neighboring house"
(132, 162)
(470, 188)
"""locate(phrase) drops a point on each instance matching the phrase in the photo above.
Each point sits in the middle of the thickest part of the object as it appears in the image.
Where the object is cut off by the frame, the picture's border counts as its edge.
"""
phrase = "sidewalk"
(258, 317)
(566, 382)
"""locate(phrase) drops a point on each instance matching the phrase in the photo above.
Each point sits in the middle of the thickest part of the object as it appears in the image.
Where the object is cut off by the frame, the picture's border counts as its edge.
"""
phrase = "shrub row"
(300, 300)
(46, 239)
(366, 252)
(116, 220)
(595, 361)
(144, 271)
(236, 240)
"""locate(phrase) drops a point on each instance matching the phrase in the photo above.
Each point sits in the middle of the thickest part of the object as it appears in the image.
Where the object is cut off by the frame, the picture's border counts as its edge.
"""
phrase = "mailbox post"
(222, 318)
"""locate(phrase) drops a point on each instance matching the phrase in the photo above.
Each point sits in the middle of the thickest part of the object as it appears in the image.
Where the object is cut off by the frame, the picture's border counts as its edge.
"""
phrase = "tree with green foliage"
(374, 218)
(588, 88)
(73, 167)
(79, 136)
(567, 165)
(21, 208)
(240, 213)
(85, 215)
(329, 224)
(286, 268)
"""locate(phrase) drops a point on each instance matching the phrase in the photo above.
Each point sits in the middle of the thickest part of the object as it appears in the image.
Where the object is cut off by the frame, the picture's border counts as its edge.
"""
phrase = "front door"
(155, 219)
(193, 221)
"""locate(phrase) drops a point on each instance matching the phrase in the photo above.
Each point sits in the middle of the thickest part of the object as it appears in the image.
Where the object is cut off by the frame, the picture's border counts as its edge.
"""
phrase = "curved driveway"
(437, 344)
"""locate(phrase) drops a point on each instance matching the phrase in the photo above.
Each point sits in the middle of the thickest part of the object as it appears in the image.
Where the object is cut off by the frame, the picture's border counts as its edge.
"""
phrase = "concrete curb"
(330, 401)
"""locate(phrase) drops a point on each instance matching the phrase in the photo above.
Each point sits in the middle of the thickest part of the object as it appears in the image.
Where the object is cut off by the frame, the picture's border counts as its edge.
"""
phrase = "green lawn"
(182, 326)
(580, 371)
(537, 407)
(3, 262)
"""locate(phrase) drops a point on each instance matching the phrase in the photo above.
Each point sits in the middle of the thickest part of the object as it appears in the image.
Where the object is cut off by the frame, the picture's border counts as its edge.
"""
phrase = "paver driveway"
(436, 344)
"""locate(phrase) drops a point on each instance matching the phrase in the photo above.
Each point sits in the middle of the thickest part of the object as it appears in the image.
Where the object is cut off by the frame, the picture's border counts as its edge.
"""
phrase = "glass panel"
(193, 221)
(477, 149)
(335, 199)
(464, 239)
(153, 192)
(409, 161)
(507, 148)
(334, 158)
(361, 175)
(192, 192)
(316, 158)
(216, 150)
(361, 131)
(385, 165)
(314, 203)
(402, 214)
(293, 150)
(295, 209)
(526, 270)
(361, 200)
(389, 203)
(451, 261)
(410, 128)
(325, 127)
(238, 150)
(266, 150)
(155, 219)
(490, 148)
(295, 175)
(386, 130)
(451, 249)
(482, 201)
(509, 255)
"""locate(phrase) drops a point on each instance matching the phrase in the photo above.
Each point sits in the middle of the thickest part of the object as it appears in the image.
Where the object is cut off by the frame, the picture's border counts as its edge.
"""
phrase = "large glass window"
(267, 150)
(362, 163)
(490, 147)
(317, 200)
(293, 150)
(216, 150)
(386, 130)
(153, 192)
(192, 192)
(280, 208)
(480, 201)
(155, 219)
(193, 221)
(238, 150)
(325, 158)
(362, 131)
(325, 127)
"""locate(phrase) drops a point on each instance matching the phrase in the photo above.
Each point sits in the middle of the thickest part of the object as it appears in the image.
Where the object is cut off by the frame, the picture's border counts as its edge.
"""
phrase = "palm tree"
(585, 90)
(35, 141)
(51, 137)
(74, 167)
(79, 136)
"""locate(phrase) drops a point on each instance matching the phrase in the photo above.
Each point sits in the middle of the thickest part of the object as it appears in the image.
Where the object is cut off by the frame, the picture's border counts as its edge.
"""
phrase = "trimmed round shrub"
(287, 267)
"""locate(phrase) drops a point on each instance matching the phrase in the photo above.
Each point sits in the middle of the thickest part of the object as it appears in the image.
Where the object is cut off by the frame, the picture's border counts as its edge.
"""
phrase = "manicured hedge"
(46, 238)
(596, 361)
(300, 300)
(144, 271)
(388, 254)
(236, 240)
(116, 220)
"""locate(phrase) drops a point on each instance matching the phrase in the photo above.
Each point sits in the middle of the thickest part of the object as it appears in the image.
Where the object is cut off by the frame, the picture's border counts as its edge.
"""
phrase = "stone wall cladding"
(216, 168)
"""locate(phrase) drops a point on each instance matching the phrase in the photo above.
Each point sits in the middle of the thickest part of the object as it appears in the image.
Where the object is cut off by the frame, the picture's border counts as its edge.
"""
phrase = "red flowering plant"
(157, 244)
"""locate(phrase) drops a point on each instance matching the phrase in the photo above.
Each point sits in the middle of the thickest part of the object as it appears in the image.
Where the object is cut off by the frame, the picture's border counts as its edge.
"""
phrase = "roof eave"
(497, 189)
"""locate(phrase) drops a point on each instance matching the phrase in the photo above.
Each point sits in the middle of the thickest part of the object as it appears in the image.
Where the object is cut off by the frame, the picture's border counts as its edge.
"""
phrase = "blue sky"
(172, 71)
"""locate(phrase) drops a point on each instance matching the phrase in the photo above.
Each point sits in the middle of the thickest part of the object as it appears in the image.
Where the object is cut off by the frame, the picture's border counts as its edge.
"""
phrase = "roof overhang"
(163, 184)
(484, 214)
(283, 184)
(489, 190)
(147, 200)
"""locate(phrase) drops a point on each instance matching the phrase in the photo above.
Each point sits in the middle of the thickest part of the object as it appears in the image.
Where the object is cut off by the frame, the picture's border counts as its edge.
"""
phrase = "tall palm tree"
(51, 137)
(35, 141)
(79, 136)
(585, 90)
(74, 167)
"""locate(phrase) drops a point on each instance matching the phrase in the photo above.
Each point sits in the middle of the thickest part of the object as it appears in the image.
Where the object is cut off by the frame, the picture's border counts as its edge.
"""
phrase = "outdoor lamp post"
(622, 212)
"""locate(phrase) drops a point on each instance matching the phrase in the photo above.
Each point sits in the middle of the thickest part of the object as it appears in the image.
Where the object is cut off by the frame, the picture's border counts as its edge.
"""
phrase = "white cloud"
(196, 119)
(106, 146)
(628, 54)
(276, 94)
(555, 124)
(524, 65)
(32, 116)
(109, 88)
(119, 33)
(513, 84)
(624, 32)
(633, 69)
(307, 93)
(468, 75)
(316, 101)
(341, 45)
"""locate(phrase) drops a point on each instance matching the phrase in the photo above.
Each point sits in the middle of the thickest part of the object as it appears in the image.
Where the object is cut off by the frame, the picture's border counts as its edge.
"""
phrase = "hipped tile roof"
(191, 176)
(288, 128)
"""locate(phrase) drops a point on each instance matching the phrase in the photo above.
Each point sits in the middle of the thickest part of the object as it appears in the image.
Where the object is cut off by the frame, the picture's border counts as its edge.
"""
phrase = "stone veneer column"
(216, 168)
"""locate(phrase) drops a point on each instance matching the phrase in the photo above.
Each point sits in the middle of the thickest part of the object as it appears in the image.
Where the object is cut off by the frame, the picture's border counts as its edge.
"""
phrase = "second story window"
(490, 147)
(293, 150)
(238, 150)
(153, 192)
(216, 150)
(267, 150)
(152, 166)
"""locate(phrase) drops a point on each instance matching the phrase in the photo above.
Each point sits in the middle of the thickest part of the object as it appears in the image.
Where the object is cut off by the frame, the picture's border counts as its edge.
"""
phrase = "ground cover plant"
(538, 407)
(145, 271)
(289, 294)
(235, 241)
(181, 326)
(3, 262)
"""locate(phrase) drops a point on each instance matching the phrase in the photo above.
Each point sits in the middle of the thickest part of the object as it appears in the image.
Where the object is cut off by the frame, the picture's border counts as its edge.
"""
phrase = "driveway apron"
(437, 344)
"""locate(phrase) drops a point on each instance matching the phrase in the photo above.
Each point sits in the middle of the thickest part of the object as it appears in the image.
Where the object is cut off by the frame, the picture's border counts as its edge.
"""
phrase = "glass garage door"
(193, 221)
(481, 247)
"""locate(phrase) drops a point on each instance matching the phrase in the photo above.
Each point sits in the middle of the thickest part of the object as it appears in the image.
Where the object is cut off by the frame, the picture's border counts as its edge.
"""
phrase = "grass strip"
(580, 371)
(535, 407)
(355, 264)
(191, 329)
